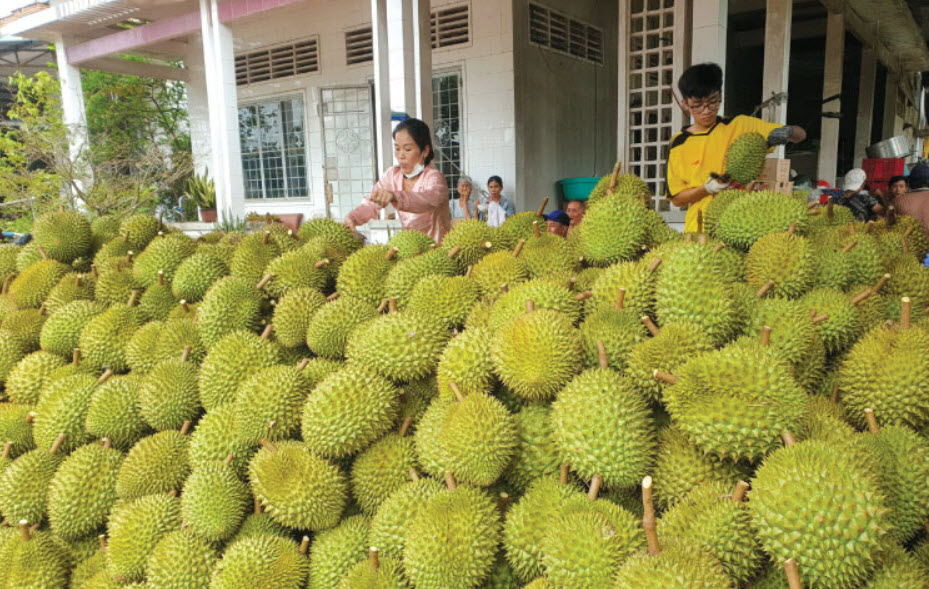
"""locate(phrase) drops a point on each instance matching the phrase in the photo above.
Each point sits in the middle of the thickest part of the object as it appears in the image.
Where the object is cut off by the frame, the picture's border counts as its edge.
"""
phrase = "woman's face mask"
(417, 170)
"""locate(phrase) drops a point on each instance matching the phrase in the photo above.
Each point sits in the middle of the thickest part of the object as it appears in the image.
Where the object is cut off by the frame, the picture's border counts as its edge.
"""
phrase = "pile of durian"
(625, 408)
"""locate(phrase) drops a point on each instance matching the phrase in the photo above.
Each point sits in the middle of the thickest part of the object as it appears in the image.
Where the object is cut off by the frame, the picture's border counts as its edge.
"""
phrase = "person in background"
(495, 208)
(465, 188)
(864, 206)
(558, 223)
(915, 202)
(699, 150)
(575, 210)
(414, 187)
(898, 186)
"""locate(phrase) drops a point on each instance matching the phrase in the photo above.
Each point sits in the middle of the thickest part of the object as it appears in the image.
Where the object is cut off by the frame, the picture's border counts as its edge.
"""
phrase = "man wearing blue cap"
(558, 222)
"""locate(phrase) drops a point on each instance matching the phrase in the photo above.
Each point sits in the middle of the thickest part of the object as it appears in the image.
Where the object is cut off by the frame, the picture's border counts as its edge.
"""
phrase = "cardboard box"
(782, 187)
(775, 170)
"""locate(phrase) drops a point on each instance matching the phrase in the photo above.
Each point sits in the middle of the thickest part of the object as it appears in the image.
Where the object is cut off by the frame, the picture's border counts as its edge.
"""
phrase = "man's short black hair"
(895, 179)
(701, 80)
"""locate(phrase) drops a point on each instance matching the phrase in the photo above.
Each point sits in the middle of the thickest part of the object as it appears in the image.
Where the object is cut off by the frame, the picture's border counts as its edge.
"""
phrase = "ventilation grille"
(281, 61)
(451, 26)
(359, 46)
(553, 30)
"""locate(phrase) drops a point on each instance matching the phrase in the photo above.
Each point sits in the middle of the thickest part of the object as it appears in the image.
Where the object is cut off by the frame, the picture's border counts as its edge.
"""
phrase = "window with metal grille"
(359, 45)
(273, 139)
(281, 61)
(446, 117)
(451, 26)
(553, 30)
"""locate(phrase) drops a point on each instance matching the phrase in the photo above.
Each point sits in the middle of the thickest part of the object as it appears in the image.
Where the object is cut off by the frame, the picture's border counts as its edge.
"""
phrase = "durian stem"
(541, 210)
(161, 278)
(229, 458)
(570, 284)
(601, 356)
(650, 325)
(391, 253)
(454, 251)
(788, 438)
(851, 245)
(7, 447)
(665, 377)
(519, 248)
(106, 442)
(264, 281)
(583, 296)
(332, 297)
(648, 520)
(382, 306)
(829, 211)
(654, 265)
(128, 258)
(905, 245)
(267, 445)
(269, 328)
(764, 289)
(126, 237)
(101, 539)
(535, 229)
(907, 231)
(266, 238)
(105, 376)
(861, 297)
(257, 504)
(185, 427)
(391, 305)
(699, 223)
(719, 247)
(504, 288)
(133, 298)
(563, 475)
(530, 306)
(503, 500)
(57, 444)
(456, 391)
(24, 530)
(304, 545)
(793, 574)
(76, 356)
(414, 476)
(185, 355)
(595, 483)
(487, 245)
(450, 481)
(614, 176)
(739, 493)
(820, 318)
(765, 335)
(303, 364)
(321, 263)
(373, 559)
(30, 417)
(870, 224)
(469, 270)
(41, 251)
(621, 299)
(77, 281)
(405, 427)
(905, 309)
(834, 397)
(689, 238)
(792, 228)
(702, 239)
(872, 421)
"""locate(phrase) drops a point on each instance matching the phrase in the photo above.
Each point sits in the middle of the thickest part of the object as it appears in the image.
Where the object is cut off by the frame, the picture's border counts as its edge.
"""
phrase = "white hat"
(854, 179)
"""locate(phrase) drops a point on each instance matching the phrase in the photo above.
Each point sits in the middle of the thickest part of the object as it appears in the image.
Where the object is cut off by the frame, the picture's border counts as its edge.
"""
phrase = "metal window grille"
(554, 30)
(282, 61)
(451, 26)
(273, 140)
(359, 46)
(446, 113)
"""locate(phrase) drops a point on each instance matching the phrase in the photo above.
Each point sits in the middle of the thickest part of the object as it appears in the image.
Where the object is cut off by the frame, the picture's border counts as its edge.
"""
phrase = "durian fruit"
(475, 239)
(103, 229)
(404, 277)
(135, 528)
(676, 567)
(34, 559)
(156, 464)
(887, 371)
(617, 183)
(757, 214)
(537, 454)
(252, 256)
(168, 394)
(634, 281)
(269, 403)
(619, 331)
(115, 284)
(680, 466)
(317, 370)
(519, 226)
(231, 304)
(176, 337)
(11, 352)
(27, 379)
(466, 362)
(898, 570)
(786, 259)
(214, 439)
(24, 484)
(446, 298)
(63, 235)
(842, 324)
(26, 326)
(376, 573)
(214, 501)
(195, 275)
(832, 267)
(28, 255)
(331, 325)
(909, 278)
(157, 302)
(140, 351)
(114, 412)
(544, 294)
(334, 552)
(16, 428)
(603, 428)
(793, 336)
(297, 488)
(262, 560)
(670, 347)
(294, 313)
(32, 286)
(537, 354)
(409, 243)
(399, 346)
(162, 257)
(139, 230)
(614, 229)
(86, 568)
(83, 491)
(546, 255)
(348, 411)
(715, 209)
(496, 271)
(233, 359)
(181, 560)
(736, 402)
(818, 504)
(259, 522)
(381, 470)
(8, 255)
(745, 157)
(390, 523)
(364, 274)
(452, 542)
(71, 287)
(824, 421)
(332, 232)
(295, 269)
(103, 339)
(62, 409)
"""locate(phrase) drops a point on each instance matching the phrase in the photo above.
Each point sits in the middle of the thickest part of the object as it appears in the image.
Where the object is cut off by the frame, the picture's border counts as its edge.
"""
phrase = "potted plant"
(201, 190)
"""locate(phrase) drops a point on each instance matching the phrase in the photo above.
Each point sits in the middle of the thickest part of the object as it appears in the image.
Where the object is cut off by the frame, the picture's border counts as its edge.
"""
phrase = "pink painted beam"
(169, 28)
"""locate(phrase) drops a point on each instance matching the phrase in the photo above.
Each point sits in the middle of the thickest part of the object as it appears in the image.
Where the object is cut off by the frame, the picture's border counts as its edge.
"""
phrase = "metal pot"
(894, 147)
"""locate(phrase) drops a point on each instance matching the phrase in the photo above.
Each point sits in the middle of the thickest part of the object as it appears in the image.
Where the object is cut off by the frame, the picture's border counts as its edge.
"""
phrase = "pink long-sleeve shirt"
(424, 208)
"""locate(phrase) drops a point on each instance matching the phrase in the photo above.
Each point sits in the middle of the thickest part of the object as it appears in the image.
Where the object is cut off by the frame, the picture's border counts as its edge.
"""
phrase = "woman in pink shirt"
(416, 189)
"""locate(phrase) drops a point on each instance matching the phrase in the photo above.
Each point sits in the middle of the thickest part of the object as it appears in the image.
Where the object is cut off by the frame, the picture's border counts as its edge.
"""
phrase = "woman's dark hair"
(496, 179)
(701, 80)
(421, 135)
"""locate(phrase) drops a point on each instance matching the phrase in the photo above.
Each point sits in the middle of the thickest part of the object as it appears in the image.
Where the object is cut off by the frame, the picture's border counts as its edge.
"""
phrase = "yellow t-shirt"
(693, 156)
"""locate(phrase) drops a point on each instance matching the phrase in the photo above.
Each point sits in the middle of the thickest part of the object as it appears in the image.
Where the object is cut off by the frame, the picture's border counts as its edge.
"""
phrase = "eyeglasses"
(708, 106)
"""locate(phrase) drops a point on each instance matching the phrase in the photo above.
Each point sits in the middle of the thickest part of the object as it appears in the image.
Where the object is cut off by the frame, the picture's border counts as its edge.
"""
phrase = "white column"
(198, 108)
(865, 102)
(74, 114)
(382, 129)
(832, 86)
(776, 60)
(410, 53)
(422, 64)
(710, 24)
(890, 107)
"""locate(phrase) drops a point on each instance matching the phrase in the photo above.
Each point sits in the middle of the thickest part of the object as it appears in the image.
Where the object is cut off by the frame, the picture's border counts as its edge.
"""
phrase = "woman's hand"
(348, 224)
(382, 197)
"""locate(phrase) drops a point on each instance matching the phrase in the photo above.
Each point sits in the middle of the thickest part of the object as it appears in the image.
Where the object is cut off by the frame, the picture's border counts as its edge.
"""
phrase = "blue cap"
(558, 216)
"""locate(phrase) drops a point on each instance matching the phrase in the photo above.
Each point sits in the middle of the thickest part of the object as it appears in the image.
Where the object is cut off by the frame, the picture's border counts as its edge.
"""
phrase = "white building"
(289, 113)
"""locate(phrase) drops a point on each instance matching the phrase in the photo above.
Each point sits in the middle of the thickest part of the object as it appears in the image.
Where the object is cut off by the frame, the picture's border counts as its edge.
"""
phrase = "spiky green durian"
(294, 313)
(176, 336)
(446, 298)
(793, 337)
(745, 157)
(162, 257)
(27, 379)
(139, 230)
(678, 566)
(452, 542)
(364, 274)
(87, 568)
(715, 209)
(404, 277)
(296, 269)
(8, 255)
(230, 362)
(261, 561)
(231, 304)
(297, 488)
(157, 302)
(28, 255)
(675, 344)
(103, 339)
(537, 354)
(214, 501)
(537, 453)
(518, 226)
(465, 361)
(842, 324)
(335, 552)
(496, 270)
(135, 528)
(11, 352)
(543, 293)
(400, 346)
(114, 412)
(395, 515)
(603, 427)
(32, 286)
(140, 350)
(24, 485)
(16, 428)
(614, 229)
(627, 184)
(757, 214)
(196, 275)
(103, 229)
(363, 575)
(269, 403)
(37, 559)
(546, 255)
(181, 560)
(785, 259)
(168, 394)
(817, 504)
(899, 569)
(214, 439)
(736, 402)
(620, 332)
(318, 369)
(382, 469)
(259, 523)
(409, 243)
(115, 285)
(252, 256)
(83, 491)
(474, 238)
(156, 464)
(65, 235)
(71, 287)
(62, 409)
(348, 411)
(331, 325)
(26, 325)
(832, 267)
(637, 279)
(332, 232)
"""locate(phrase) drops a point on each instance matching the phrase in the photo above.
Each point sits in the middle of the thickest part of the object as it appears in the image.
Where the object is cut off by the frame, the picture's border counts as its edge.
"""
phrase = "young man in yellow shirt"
(699, 150)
